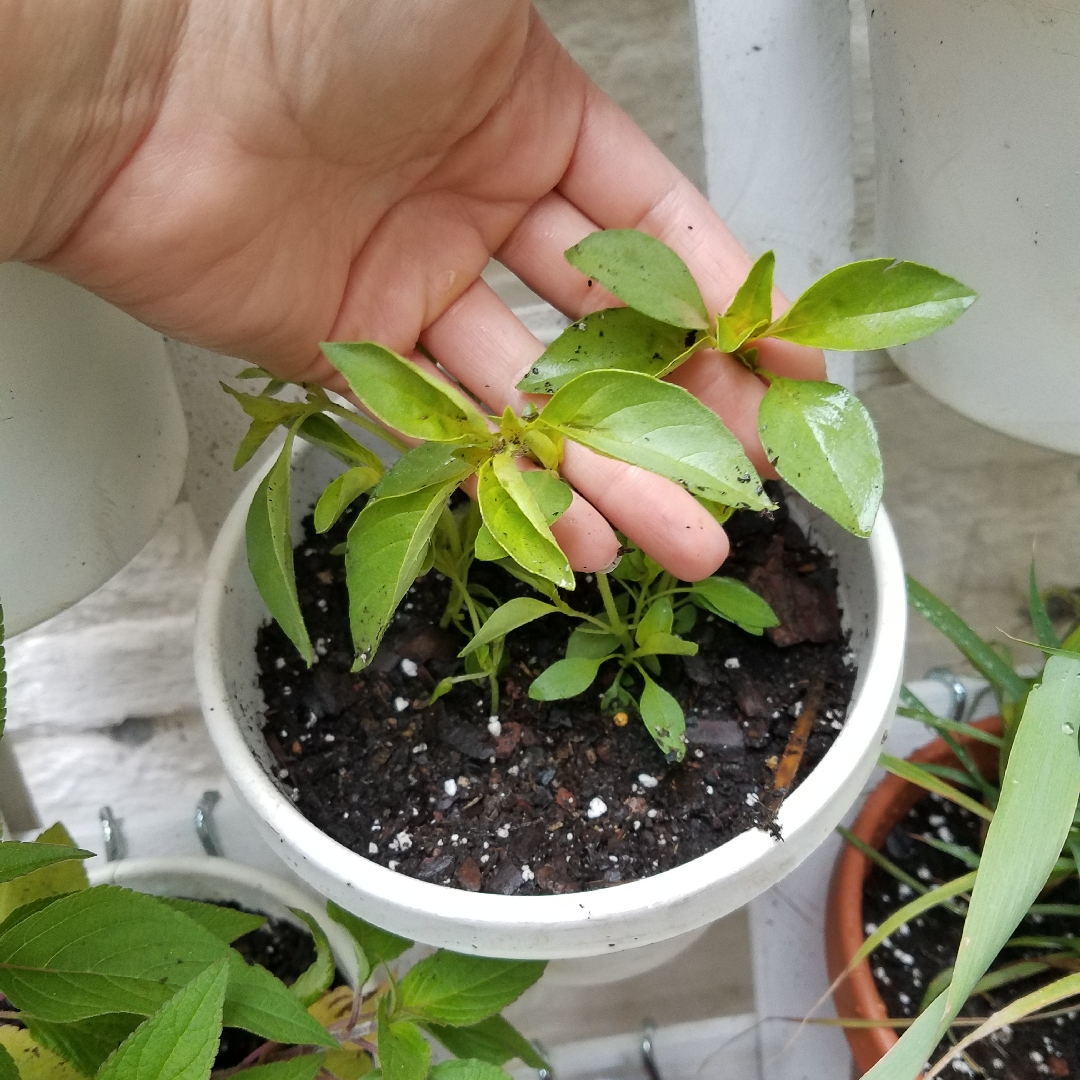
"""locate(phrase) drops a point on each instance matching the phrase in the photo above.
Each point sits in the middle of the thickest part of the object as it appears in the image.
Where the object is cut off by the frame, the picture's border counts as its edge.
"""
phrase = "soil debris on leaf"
(366, 762)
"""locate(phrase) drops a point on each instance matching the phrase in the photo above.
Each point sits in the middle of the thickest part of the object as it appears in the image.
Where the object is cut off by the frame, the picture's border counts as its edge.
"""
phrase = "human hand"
(333, 171)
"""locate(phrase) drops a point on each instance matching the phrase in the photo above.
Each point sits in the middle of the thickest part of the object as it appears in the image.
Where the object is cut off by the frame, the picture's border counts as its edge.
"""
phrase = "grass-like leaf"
(1040, 620)
(644, 274)
(915, 774)
(660, 427)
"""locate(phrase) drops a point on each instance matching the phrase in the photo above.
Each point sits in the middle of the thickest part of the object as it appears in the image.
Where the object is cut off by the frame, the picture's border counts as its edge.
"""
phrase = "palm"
(346, 171)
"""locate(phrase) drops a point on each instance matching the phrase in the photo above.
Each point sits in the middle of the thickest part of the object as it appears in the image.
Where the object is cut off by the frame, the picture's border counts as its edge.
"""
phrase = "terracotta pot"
(857, 996)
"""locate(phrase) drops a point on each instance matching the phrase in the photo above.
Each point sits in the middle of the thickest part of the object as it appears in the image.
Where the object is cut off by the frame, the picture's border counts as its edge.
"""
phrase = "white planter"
(92, 442)
(218, 881)
(978, 159)
(586, 924)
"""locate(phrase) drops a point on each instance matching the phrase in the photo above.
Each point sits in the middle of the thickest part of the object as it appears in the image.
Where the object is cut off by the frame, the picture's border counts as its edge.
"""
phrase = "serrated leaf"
(733, 601)
(619, 338)
(180, 1041)
(822, 442)
(270, 553)
(373, 945)
(644, 274)
(404, 396)
(257, 433)
(226, 924)
(298, 1068)
(516, 523)
(31, 1061)
(494, 1040)
(656, 620)
(341, 493)
(17, 859)
(57, 875)
(662, 644)
(751, 309)
(565, 678)
(467, 1069)
(873, 304)
(316, 980)
(663, 716)
(590, 644)
(327, 434)
(660, 427)
(257, 1002)
(85, 1043)
(451, 988)
(404, 1053)
(427, 464)
(387, 546)
(512, 614)
(553, 495)
(8, 1068)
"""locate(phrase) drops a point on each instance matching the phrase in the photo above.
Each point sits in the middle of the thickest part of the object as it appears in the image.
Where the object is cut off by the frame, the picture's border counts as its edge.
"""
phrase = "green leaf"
(8, 1069)
(270, 553)
(987, 662)
(512, 614)
(751, 310)
(644, 274)
(662, 428)
(874, 304)
(666, 645)
(427, 464)
(545, 446)
(732, 600)
(657, 619)
(493, 1040)
(663, 716)
(486, 548)
(226, 924)
(257, 433)
(55, 875)
(553, 496)
(298, 1068)
(180, 1041)
(916, 774)
(451, 988)
(17, 859)
(1038, 798)
(378, 946)
(258, 1002)
(267, 409)
(517, 524)
(565, 678)
(404, 1053)
(341, 493)
(404, 396)
(387, 546)
(1040, 620)
(319, 430)
(85, 1043)
(33, 1062)
(467, 1069)
(823, 443)
(316, 980)
(590, 644)
(619, 338)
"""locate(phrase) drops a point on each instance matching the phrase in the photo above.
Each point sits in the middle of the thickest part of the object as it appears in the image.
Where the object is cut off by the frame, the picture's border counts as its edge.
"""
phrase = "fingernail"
(609, 569)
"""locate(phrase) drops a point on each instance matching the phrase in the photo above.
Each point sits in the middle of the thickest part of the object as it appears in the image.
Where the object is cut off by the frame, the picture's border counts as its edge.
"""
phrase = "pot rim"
(857, 996)
(802, 812)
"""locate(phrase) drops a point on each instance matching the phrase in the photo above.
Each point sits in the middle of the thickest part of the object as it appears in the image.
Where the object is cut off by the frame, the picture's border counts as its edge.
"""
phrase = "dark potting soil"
(548, 797)
(904, 965)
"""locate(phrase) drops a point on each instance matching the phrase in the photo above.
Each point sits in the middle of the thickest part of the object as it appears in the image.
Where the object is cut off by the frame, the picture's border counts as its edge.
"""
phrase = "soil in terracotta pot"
(904, 966)
(552, 797)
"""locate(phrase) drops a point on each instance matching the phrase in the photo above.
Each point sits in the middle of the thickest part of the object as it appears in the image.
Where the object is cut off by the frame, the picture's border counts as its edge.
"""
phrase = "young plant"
(603, 376)
(1032, 843)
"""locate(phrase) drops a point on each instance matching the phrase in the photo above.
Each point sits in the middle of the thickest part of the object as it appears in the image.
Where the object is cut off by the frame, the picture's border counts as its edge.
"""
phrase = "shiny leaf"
(822, 442)
(657, 620)
(565, 678)
(732, 600)
(751, 310)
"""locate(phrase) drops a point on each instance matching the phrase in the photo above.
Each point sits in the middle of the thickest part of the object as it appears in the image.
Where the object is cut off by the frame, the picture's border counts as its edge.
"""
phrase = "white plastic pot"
(653, 912)
(93, 442)
(219, 881)
(978, 173)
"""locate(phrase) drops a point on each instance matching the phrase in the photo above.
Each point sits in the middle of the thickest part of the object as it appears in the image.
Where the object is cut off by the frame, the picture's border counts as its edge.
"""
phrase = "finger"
(481, 343)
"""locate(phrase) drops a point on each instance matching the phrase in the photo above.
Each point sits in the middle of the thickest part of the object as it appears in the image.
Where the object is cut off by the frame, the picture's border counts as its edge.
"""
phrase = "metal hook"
(112, 834)
(204, 823)
(959, 691)
(648, 1056)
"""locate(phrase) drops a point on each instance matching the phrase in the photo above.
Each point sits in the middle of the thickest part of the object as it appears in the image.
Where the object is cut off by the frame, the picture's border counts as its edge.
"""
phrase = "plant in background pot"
(599, 793)
(961, 883)
(112, 983)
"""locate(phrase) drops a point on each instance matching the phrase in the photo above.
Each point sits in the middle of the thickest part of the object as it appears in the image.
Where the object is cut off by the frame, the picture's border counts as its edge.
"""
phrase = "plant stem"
(615, 624)
(362, 421)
